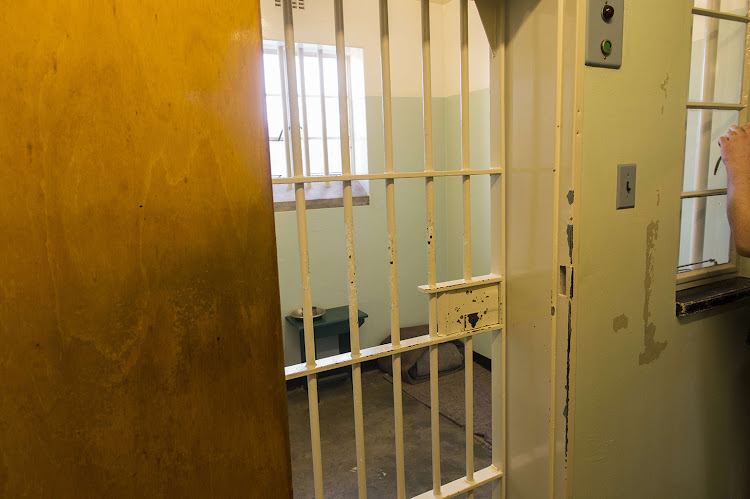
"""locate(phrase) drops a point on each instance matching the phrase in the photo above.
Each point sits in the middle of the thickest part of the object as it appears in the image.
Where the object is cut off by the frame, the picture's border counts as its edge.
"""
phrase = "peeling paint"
(570, 196)
(619, 322)
(569, 231)
(652, 349)
(663, 86)
(567, 378)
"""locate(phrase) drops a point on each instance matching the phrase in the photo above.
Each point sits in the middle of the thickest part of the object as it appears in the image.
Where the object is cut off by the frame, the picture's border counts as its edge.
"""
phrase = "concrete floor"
(337, 441)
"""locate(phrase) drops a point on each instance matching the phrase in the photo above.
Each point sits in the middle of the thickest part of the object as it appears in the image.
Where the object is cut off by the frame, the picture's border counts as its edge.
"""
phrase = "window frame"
(272, 50)
(706, 275)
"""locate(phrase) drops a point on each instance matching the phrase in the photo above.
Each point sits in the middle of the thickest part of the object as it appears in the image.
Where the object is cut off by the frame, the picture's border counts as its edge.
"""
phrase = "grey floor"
(337, 442)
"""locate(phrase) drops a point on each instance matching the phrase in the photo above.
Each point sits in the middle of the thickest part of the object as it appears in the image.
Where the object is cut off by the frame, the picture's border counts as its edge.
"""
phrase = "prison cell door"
(479, 297)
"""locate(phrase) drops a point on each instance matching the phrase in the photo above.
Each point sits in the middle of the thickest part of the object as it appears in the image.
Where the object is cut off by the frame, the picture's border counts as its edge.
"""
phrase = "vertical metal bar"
(555, 244)
(498, 248)
(285, 112)
(324, 126)
(705, 124)
(465, 162)
(390, 197)
(466, 184)
(351, 270)
(431, 271)
(299, 193)
(305, 127)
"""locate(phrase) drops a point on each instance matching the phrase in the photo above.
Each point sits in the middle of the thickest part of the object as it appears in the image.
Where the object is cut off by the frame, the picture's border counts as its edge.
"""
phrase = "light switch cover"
(626, 186)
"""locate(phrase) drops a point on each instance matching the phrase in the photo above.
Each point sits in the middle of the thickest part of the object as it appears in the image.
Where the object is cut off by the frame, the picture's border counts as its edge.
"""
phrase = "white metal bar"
(714, 13)
(716, 106)
(465, 160)
(390, 196)
(497, 248)
(704, 193)
(466, 199)
(376, 352)
(555, 245)
(464, 485)
(285, 111)
(705, 124)
(359, 426)
(303, 91)
(299, 192)
(380, 176)
(431, 240)
(460, 283)
(324, 125)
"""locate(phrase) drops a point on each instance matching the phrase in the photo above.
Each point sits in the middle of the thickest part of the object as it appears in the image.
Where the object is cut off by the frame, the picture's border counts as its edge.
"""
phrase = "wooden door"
(140, 347)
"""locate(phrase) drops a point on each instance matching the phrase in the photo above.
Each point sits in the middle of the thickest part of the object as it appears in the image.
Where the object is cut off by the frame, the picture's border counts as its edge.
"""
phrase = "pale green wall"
(326, 235)
(661, 404)
(326, 226)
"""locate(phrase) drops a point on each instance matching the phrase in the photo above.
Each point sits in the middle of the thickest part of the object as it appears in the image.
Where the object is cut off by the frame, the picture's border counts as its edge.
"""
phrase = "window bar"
(702, 158)
(704, 194)
(285, 112)
(324, 128)
(351, 271)
(466, 184)
(305, 127)
(717, 106)
(714, 13)
(352, 129)
(299, 193)
(390, 197)
(431, 272)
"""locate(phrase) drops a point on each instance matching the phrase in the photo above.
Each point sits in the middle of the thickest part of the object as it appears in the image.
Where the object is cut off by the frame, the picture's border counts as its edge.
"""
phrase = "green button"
(606, 47)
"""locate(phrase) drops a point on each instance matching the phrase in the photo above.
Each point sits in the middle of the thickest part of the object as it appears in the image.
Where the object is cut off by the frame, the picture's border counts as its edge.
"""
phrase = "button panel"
(604, 26)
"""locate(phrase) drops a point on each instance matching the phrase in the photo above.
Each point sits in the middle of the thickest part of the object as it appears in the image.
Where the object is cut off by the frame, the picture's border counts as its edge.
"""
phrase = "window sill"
(708, 296)
(318, 195)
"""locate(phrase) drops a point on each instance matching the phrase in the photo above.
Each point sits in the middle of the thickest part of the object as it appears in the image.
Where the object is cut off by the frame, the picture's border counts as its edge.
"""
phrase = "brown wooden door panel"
(140, 345)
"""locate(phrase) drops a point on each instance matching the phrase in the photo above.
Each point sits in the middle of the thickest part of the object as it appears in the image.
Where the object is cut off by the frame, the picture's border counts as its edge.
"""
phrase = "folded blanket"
(415, 364)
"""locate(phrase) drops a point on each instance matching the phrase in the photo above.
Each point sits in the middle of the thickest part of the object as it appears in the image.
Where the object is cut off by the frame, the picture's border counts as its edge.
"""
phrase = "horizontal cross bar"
(462, 485)
(346, 359)
(460, 283)
(717, 106)
(720, 15)
(703, 194)
(390, 175)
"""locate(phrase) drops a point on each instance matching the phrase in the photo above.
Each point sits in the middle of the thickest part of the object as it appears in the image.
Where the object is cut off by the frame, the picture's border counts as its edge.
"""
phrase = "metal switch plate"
(604, 33)
(626, 186)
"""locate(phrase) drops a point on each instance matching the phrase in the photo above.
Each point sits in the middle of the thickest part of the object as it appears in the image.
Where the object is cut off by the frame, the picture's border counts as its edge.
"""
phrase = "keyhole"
(627, 186)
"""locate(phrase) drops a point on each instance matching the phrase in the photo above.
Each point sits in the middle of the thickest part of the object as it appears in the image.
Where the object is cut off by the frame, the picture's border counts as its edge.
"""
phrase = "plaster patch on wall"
(652, 349)
(619, 322)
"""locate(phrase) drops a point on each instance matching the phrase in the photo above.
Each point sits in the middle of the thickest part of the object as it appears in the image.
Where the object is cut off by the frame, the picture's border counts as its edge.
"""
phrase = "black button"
(607, 12)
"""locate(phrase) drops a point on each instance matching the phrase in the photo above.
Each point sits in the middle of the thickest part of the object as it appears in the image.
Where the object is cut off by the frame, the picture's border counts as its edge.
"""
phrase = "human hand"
(735, 149)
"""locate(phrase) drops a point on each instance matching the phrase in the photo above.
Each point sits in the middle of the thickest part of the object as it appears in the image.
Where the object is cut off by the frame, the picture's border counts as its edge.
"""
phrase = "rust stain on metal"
(652, 349)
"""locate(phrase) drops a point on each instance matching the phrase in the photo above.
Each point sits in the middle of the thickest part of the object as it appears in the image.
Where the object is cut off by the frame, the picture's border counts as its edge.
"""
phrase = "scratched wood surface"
(140, 349)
